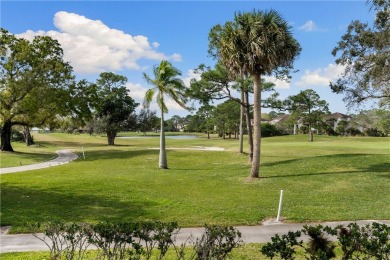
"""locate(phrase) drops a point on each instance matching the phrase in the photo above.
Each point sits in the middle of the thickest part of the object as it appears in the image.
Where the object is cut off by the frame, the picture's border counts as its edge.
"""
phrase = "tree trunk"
(6, 137)
(163, 163)
(248, 125)
(208, 134)
(311, 138)
(257, 126)
(241, 148)
(111, 137)
(27, 136)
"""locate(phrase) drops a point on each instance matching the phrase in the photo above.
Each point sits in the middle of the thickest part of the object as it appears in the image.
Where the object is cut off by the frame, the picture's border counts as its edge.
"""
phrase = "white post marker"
(280, 206)
(82, 148)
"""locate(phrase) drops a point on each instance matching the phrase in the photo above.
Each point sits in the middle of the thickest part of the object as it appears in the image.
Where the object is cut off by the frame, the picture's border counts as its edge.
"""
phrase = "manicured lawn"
(25, 155)
(333, 178)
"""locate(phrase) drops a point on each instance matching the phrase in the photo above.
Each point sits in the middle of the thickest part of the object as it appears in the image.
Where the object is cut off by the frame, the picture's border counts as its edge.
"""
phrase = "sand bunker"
(194, 148)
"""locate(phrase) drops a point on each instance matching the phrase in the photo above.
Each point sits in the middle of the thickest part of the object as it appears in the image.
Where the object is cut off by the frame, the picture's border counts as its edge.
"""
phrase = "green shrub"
(268, 130)
(374, 132)
(133, 240)
(16, 136)
(368, 242)
(217, 242)
(353, 131)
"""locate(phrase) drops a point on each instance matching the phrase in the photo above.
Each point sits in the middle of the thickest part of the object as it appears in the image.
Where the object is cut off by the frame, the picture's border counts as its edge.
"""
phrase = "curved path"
(64, 156)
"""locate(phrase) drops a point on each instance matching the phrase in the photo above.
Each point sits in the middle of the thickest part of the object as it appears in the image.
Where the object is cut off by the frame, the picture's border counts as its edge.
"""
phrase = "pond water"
(156, 136)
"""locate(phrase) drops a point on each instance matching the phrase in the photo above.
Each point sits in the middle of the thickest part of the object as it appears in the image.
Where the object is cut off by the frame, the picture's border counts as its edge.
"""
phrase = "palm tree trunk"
(241, 149)
(163, 164)
(256, 126)
(248, 125)
(311, 138)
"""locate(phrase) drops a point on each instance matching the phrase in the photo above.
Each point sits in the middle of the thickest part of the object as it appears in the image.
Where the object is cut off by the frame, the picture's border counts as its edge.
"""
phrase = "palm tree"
(256, 43)
(166, 83)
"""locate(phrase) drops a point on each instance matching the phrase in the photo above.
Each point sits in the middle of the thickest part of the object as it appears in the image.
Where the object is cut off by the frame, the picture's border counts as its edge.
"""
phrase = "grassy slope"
(331, 179)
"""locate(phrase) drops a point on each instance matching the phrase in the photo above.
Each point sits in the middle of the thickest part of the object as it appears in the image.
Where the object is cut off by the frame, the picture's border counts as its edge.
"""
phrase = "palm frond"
(148, 97)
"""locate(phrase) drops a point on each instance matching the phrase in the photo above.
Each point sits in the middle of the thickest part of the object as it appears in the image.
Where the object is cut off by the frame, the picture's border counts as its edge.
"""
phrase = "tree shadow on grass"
(22, 205)
(79, 144)
(116, 154)
(381, 168)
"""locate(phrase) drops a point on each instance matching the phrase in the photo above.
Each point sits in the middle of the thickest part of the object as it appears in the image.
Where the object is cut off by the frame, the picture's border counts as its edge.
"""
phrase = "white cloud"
(321, 76)
(92, 47)
(191, 75)
(279, 84)
(137, 92)
(308, 26)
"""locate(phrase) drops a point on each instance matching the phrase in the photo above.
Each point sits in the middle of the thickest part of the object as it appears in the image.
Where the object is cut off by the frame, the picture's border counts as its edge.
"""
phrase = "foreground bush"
(134, 240)
(368, 242)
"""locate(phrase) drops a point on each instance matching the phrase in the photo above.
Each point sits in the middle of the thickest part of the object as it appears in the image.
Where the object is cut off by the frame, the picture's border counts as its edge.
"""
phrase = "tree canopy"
(114, 105)
(364, 51)
(34, 83)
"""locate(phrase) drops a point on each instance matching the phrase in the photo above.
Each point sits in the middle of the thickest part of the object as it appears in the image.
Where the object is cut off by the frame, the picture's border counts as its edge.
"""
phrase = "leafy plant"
(67, 240)
(217, 242)
(282, 246)
(319, 246)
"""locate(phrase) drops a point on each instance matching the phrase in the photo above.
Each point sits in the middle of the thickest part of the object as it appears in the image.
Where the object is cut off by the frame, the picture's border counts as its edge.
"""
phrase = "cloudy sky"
(130, 37)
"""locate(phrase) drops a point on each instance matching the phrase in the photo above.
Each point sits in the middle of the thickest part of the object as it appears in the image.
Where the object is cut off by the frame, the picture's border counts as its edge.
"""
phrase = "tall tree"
(308, 107)
(256, 43)
(206, 112)
(146, 120)
(217, 84)
(34, 80)
(114, 104)
(166, 82)
(364, 51)
(227, 118)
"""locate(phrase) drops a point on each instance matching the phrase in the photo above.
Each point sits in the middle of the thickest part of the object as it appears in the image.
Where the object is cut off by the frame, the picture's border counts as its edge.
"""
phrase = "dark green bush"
(282, 246)
(374, 132)
(368, 242)
(16, 136)
(353, 131)
(268, 130)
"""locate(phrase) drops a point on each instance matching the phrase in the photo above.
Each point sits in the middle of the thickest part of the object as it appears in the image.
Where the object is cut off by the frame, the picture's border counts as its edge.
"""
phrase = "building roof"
(337, 115)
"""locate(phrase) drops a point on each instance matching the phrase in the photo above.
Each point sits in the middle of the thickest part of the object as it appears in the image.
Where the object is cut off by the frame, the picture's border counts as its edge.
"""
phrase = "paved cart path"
(64, 156)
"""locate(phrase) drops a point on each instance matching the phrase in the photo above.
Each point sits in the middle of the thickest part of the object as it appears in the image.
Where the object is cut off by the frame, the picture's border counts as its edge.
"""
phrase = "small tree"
(308, 107)
(114, 104)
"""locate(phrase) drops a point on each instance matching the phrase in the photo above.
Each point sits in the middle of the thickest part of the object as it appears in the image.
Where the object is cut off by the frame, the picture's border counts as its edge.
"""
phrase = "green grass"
(333, 178)
(25, 155)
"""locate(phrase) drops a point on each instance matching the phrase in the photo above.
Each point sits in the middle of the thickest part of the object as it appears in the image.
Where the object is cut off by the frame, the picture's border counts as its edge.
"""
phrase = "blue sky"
(129, 37)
